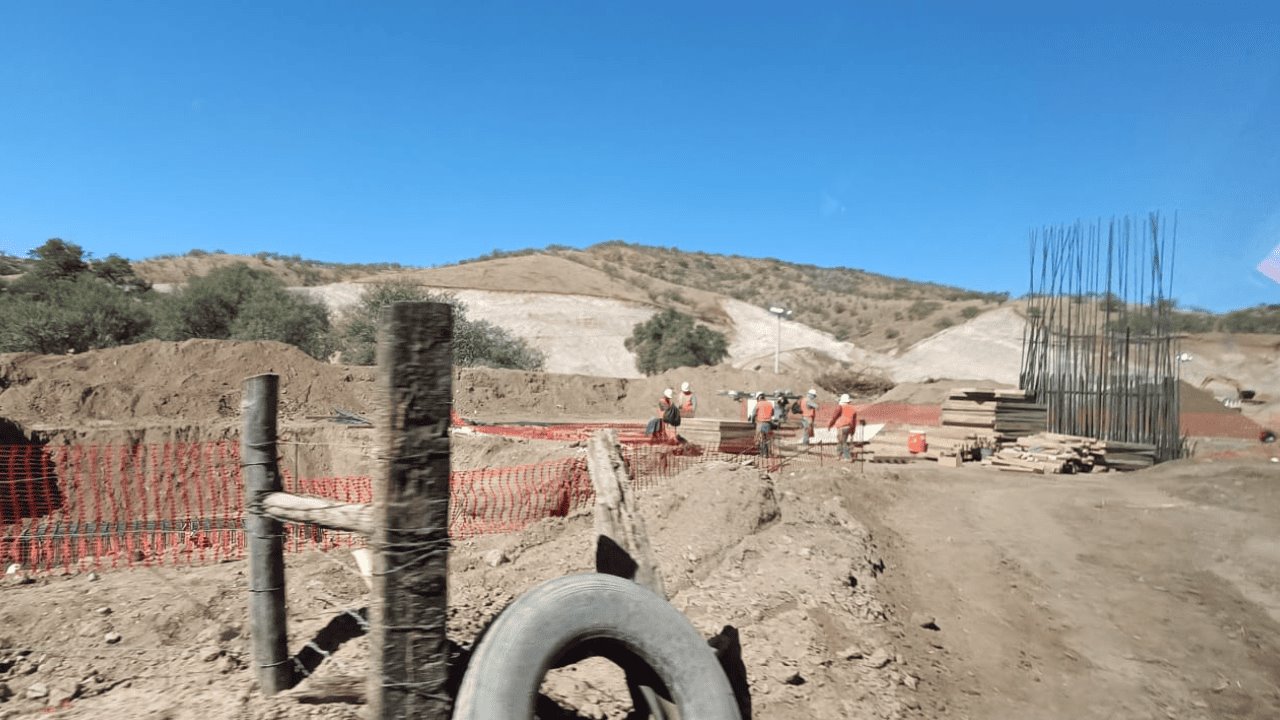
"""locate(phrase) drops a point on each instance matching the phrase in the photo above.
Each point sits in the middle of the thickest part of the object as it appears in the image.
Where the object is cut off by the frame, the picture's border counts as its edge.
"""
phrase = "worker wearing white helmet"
(762, 416)
(808, 415)
(688, 401)
(661, 426)
(844, 421)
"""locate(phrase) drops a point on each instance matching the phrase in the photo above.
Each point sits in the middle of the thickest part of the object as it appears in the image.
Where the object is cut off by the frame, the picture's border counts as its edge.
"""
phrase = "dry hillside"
(291, 269)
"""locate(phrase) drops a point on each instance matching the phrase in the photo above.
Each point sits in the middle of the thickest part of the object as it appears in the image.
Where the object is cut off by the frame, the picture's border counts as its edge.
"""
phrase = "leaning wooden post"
(411, 515)
(264, 535)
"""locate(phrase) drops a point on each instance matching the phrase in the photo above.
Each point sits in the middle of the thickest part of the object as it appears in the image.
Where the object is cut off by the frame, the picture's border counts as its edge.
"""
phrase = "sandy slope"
(988, 347)
(585, 334)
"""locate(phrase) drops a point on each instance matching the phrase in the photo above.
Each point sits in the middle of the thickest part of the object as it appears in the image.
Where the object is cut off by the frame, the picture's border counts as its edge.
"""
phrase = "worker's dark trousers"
(842, 436)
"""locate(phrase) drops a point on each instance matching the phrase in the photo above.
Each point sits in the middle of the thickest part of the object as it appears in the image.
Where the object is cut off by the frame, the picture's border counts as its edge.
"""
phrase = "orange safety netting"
(74, 508)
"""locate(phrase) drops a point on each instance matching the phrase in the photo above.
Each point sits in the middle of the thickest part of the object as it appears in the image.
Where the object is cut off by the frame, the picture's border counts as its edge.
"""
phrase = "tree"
(475, 342)
(72, 315)
(670, 339)
(57, 259)
(119, 272)
(237, 302)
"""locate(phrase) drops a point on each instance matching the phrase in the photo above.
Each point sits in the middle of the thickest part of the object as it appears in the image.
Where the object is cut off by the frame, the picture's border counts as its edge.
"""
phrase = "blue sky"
(915, 139)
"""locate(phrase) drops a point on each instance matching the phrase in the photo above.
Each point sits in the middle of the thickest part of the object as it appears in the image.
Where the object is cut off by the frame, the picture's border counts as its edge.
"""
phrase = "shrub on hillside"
(66, 303)
(671, 339)
(854, 382)
(921, 309)
(1260, 319)
(970, 312)
(71, 316)
(237, 302)
(475, 342)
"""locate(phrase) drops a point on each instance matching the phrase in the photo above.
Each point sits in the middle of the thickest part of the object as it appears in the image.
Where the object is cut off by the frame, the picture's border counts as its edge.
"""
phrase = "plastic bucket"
(917, 442)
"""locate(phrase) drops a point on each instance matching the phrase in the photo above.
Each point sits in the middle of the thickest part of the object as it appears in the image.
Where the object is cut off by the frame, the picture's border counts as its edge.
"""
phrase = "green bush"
(475, 342)
(72, 315)
(970, 312)
(1259, 319)
(921, 309)
(65, 303)
(238, 302)
(671, 339)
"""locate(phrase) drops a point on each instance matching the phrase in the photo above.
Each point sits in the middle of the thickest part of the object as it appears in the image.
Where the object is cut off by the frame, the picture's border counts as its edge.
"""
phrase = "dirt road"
(1146, 595)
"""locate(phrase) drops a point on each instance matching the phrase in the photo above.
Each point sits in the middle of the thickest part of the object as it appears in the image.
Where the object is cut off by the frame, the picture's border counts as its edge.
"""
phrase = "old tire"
(547, 622)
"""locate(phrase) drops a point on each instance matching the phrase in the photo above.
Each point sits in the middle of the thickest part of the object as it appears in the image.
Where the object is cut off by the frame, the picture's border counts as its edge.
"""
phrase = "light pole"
(777, 348)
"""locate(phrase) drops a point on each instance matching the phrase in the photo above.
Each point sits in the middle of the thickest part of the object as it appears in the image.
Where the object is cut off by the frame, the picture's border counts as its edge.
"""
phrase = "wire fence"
(75, 508)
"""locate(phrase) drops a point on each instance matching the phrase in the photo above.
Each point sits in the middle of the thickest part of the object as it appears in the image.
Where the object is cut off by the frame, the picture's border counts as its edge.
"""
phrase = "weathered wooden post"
(411, 515)
(264, 535)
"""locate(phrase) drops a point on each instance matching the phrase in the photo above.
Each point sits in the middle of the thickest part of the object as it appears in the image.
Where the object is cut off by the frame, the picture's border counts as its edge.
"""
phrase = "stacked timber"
(1008, 413)
(716, 434)
(1052, 453)
(890, 444)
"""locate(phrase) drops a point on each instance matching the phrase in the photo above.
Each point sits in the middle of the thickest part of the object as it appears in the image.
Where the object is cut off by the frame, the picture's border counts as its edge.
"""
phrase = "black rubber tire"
(540, 626)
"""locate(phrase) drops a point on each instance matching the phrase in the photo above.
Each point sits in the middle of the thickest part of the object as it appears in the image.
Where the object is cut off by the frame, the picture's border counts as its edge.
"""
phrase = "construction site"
(1049, 512)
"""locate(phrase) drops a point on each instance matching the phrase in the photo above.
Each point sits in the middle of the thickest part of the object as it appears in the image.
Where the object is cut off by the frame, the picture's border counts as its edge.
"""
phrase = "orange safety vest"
(809, 409)
(847, 416)
(687, 404)
(764, 411)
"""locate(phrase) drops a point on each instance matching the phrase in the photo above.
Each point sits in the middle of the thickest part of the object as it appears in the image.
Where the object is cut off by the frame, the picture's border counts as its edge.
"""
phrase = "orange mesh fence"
(74, 508)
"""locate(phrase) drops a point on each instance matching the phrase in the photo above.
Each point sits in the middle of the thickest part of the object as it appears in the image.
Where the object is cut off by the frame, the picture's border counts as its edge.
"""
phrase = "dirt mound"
(194, 381)
(782, 561)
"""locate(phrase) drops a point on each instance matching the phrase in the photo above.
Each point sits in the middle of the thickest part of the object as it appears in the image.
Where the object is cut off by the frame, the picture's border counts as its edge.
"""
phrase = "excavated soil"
(781, 559)
(196, 384)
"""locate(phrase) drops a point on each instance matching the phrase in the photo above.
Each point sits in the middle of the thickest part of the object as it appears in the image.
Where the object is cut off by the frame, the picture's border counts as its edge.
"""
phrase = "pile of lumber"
(1009, 413)
(716, 434)
(890, 445)
(1052, 453)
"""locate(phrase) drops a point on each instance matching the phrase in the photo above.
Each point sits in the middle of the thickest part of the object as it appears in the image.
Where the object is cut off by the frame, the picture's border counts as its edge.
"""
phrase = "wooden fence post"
(408, 645)
(264, 535)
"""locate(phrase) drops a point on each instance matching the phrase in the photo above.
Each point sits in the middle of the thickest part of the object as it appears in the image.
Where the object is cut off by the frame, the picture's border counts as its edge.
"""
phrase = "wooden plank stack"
(890, 445)
(1009, 413)
(716, 434)
(1052, 453)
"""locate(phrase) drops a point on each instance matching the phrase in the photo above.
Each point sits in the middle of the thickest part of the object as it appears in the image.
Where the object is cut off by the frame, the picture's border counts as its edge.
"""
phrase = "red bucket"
(917, 442)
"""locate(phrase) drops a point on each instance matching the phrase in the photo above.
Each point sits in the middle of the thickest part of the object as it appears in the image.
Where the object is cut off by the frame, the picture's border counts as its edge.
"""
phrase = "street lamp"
(777, 348)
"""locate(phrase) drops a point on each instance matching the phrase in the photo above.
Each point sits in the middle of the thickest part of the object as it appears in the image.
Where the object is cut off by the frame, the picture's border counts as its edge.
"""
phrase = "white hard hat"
(668, 393)
(844, 399)
(684, 387)
(813, 393)
(759, 394)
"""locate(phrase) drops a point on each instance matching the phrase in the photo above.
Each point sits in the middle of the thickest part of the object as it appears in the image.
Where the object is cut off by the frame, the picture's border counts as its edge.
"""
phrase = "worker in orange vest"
(808, 415)
(762, 416)
(688, 401)
(668, 415)
(844, 421)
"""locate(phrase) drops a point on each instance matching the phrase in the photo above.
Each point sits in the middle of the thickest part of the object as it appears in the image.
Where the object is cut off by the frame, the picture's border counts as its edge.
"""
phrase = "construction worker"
(655, 427)
(808, 415)
(688, 401)
(668, 415)
(844, 421)
(762, 416)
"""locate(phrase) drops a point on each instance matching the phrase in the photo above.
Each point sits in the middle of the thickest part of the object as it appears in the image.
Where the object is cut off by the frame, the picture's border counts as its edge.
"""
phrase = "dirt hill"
(291, 269)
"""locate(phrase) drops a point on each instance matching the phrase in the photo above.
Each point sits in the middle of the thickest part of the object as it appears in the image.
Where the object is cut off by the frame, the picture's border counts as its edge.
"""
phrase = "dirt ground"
(877, 591)
(1146, 595)
(780, 558)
